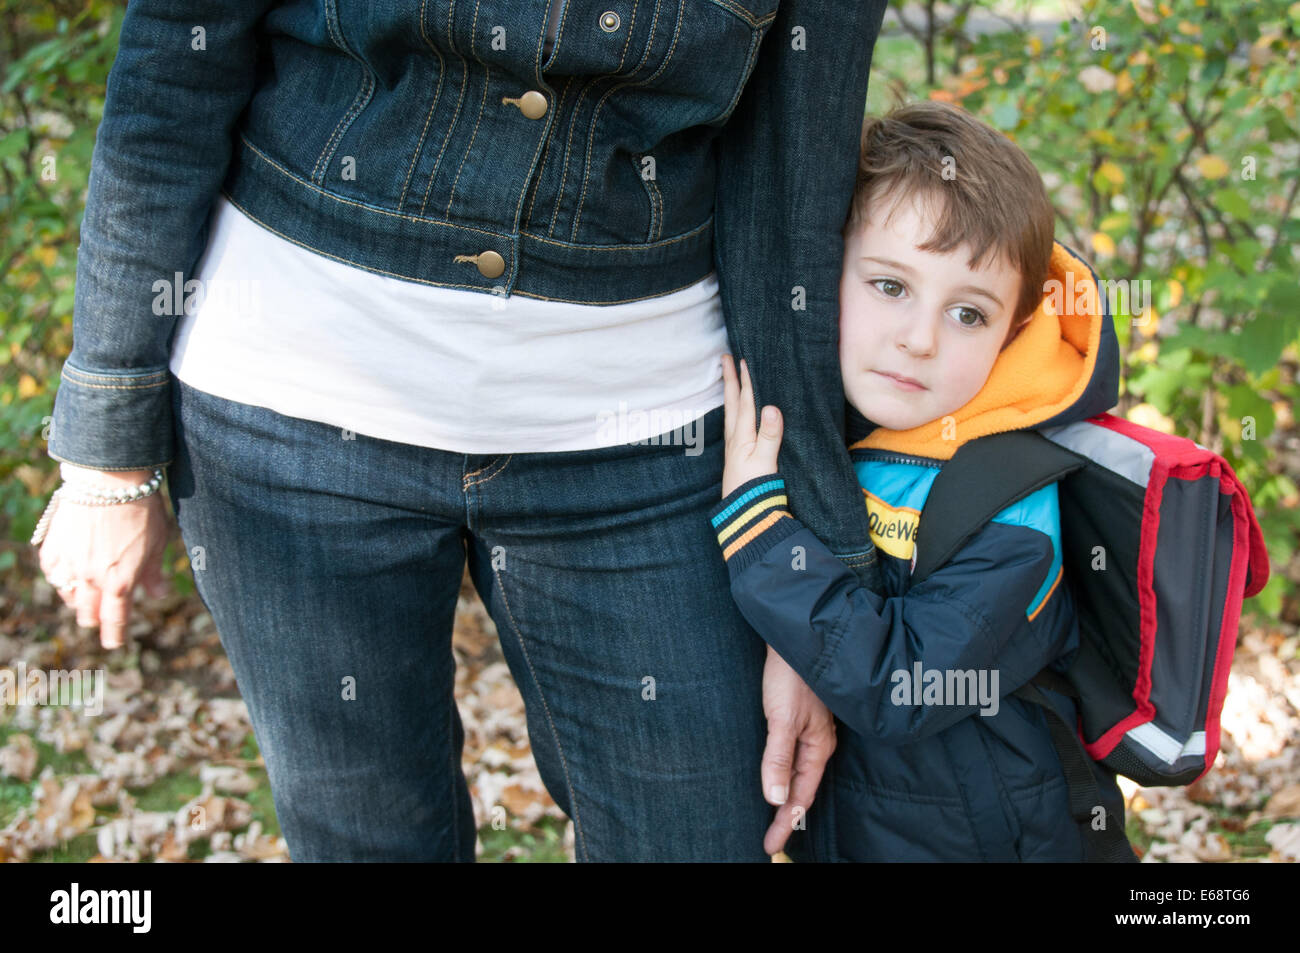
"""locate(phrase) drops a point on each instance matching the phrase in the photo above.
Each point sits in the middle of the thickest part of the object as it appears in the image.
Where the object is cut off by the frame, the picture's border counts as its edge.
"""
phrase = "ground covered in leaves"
(170, 771)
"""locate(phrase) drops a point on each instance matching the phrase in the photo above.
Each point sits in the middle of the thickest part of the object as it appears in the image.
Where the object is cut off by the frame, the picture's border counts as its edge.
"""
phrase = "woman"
(481, 232)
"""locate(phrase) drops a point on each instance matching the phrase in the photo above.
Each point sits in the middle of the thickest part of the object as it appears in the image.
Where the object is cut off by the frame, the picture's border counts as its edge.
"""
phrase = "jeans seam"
(467, 482)
(359, 102)
(568, 148)
(433, 106)
(349, 261)
(146, 381)
(579, 837)
(437, 284)
(744, 14)
(487, 82)
(460, 98)
(595, 113)
(546, 152)
(422, 219)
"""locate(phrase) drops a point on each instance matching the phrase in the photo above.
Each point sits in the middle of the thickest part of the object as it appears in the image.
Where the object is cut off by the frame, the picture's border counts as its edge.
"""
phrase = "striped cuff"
(751, 519)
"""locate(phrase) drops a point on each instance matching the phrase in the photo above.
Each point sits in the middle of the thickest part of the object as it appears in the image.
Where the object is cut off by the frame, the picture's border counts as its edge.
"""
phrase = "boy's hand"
(749, 453)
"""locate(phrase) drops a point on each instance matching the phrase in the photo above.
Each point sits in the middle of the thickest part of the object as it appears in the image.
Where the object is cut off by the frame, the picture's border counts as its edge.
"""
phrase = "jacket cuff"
(113, 421)
(750, 520)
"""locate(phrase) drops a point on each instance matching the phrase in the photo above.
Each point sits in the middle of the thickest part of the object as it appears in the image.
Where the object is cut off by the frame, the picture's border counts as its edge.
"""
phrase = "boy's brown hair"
(983, 190)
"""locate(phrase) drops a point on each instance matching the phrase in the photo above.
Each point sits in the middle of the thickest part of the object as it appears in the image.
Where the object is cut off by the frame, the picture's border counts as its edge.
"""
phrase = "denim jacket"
(438, 142)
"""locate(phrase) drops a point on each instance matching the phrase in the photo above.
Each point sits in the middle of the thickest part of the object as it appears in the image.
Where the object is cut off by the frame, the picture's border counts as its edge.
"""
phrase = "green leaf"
(1233, 202)
(1244, 401)
(1269, 599)
(14, 143)
(1261, 342)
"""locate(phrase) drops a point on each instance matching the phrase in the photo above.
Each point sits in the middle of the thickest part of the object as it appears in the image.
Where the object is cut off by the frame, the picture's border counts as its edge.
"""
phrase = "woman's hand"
(748, 454)
(102, 552)
(800, 739)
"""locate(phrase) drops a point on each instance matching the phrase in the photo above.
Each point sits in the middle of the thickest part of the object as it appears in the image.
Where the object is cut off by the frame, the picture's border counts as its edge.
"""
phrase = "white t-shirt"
(279, 326)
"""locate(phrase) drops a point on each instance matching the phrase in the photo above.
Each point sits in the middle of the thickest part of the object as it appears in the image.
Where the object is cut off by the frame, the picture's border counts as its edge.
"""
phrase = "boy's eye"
(886, 284)
(975, 315)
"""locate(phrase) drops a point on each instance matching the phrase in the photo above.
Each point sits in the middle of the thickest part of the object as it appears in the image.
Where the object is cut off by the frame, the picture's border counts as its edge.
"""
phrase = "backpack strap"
(1110, 844)
(984, 477)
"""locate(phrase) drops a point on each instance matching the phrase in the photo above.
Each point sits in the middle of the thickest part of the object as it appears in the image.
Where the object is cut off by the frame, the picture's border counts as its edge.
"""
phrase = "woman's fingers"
(731, 396)
(745, 426)
(88, 597)
(113, 613)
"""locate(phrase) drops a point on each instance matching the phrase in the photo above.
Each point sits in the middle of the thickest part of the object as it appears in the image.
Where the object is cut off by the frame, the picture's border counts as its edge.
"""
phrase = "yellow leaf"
(1165, 48)
(1164, 9)
(1140, 58)
(1148, 322)
(1175, 292)
(1111, 173)
(45, 255)
(1212, 167)
(1123, 83)
(27, 386)
(1188, 29)
(1103, 244)
(1035, 44)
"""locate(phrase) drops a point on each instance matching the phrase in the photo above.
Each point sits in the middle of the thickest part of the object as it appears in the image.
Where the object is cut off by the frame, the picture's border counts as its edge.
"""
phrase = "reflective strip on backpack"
(1165, 746)
(1115, 451)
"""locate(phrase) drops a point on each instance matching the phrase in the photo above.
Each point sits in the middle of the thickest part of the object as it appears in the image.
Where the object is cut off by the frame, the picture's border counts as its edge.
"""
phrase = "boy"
(953, 325)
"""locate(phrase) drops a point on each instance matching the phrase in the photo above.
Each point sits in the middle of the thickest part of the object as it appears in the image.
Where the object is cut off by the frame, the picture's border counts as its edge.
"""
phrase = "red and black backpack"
(1160, 546)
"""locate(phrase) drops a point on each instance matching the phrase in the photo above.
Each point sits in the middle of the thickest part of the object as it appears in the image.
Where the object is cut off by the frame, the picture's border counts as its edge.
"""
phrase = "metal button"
(490, 264)
(533, 104)
(609, 21)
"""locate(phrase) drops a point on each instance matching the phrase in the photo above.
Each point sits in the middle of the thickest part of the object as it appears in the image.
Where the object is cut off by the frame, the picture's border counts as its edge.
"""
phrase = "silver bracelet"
(91, 495)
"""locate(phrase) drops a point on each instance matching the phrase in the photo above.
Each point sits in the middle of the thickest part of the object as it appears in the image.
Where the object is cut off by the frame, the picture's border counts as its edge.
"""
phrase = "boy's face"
(919, 315)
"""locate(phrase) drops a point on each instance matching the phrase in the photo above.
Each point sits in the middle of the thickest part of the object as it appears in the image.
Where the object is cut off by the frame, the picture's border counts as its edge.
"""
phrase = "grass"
(512, 846)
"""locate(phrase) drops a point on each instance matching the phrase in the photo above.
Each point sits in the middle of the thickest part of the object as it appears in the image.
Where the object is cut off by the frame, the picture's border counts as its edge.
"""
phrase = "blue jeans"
(331, 567)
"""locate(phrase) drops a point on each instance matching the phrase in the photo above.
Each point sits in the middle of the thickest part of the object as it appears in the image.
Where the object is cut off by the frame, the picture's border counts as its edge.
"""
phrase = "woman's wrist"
(85, 476)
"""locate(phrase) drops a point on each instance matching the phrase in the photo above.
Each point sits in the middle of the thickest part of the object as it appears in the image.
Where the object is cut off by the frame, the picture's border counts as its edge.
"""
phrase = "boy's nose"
(917, 336)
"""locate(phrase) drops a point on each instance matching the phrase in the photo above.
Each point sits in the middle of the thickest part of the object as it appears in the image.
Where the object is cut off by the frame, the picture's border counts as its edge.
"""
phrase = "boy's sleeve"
(999, 606)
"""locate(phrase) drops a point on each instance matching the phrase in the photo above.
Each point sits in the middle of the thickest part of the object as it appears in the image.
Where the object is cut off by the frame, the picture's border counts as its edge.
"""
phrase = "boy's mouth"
(907, 383)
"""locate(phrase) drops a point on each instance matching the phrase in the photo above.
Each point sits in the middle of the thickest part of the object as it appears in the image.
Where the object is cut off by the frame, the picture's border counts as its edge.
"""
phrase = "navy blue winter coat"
(936, 760)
